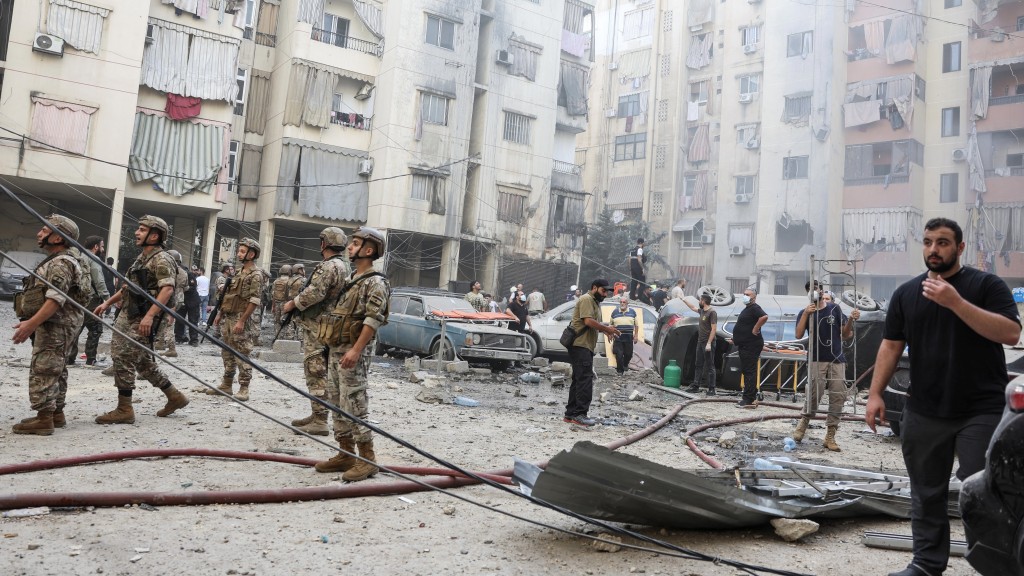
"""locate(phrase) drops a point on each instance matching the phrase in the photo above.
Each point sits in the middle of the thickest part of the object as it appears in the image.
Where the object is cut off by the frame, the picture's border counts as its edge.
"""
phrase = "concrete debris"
(563, 367)
(418, 376)
(727, 439)
(412, 364)
(530, 378)
(433, 395)
(288, 346)
(460, 367)
(26, 512)
(540, 362)
(604, 397)
(635, 395)
(600, 546)
(792, 530)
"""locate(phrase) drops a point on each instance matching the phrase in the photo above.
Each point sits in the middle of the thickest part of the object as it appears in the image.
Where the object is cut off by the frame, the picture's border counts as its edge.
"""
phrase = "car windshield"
(27, 259)
(446, 303)
(773, 331)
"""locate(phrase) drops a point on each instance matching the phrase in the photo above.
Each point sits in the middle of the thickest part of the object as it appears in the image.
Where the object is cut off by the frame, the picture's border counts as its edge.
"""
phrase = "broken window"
(511, 205)
(750, 35)
(793, 236)
(797, 109)
(794, 167)
(629, 105)
(799, 44)
(699, 92)
(746, 134)
(750, 84)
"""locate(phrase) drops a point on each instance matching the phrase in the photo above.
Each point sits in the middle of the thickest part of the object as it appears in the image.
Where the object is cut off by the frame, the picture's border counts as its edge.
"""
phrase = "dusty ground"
(431, 533)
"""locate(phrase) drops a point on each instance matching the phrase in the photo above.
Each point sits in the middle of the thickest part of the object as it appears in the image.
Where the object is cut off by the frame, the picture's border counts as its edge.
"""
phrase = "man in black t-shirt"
(704, 364)
(748, 339)
(637, 270)
(955, 321)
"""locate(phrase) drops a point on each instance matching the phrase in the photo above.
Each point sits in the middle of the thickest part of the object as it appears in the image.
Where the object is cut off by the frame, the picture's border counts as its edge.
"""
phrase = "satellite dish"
(618, 216)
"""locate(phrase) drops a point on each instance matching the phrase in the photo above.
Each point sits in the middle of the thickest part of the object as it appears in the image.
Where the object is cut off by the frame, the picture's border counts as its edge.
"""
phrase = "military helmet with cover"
(373, 235)
(334, 238)
(285, 270)
(251, 245)
(175, 254)
(155, 223)
(64, 224)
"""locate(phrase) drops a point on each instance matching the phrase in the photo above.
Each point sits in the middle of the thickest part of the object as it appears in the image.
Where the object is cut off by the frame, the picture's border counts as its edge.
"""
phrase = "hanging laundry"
(895, 119)
(692, 111)
(182, 107)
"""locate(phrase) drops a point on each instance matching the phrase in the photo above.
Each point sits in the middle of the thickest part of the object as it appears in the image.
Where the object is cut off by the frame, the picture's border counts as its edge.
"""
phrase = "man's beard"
(942, 266)
(598, 296)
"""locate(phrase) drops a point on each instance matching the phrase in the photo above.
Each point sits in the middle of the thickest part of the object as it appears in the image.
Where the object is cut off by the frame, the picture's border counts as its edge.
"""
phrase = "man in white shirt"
(203, 288)
(677, 290)
(536, 303)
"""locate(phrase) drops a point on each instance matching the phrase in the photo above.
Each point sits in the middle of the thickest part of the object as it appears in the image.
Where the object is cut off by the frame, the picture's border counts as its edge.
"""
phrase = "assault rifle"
(287, 318)
(216, 307)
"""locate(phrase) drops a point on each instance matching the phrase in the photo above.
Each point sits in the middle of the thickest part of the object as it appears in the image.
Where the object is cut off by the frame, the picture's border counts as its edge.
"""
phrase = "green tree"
(606, 251)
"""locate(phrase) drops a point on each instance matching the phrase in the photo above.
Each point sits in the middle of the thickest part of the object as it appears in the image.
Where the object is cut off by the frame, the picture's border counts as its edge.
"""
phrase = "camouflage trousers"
(315, 367)
(242, 343)
(346, 389)
(129, 360)
(48, 372)
(166, 333)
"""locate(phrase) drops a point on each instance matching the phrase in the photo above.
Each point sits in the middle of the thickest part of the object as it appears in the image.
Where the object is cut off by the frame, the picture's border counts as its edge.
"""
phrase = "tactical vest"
(280, 290)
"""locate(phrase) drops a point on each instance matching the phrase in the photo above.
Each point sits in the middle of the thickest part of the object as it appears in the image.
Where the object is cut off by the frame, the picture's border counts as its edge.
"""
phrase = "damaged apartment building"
(450, 126)
(754, 135)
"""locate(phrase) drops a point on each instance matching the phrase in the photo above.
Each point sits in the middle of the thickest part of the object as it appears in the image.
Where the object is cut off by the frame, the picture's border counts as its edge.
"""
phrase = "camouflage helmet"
(285, 270)
(250, 244)
(175, 254)
(64, 224)
(155, 223)
(334, 238)
(297, 267)
(373, 235)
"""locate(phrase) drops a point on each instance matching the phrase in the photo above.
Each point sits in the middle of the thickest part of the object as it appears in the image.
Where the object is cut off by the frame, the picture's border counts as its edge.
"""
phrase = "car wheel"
(895, 397)
(719, 296)
(860, 300)
(448, 353)
(532, 346)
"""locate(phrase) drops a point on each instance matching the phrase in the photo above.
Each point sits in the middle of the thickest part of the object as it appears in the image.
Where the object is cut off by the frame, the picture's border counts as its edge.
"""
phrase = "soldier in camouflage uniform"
(362, 310)
(47, 316)
(279, 293)
(239, 324)
(167, 326)
(153, 271)
(93, 244)
(295, 330)
(314, 301)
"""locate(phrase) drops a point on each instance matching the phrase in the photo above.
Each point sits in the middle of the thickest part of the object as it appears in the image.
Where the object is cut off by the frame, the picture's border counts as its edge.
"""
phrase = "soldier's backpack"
(280, 290)
(83, 290)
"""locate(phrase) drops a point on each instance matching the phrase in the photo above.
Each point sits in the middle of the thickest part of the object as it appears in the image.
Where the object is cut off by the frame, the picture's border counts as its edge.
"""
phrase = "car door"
(418, 330)
(390, 333)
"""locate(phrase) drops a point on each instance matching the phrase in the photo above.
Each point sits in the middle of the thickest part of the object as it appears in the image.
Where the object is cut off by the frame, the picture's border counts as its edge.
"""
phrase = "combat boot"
(317, 426)
(123, 414)
(172, 350)
(175, 400)
(108, 371)
(243, 393)
(58, 419)
(801, 429)
(342, 461)
(830, 439)
(41, 425)
(362, 469)
(225, 387)
(304, 421)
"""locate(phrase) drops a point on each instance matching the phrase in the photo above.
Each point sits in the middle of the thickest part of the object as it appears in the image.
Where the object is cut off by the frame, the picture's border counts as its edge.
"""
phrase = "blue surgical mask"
(746, 299)
(522, 298)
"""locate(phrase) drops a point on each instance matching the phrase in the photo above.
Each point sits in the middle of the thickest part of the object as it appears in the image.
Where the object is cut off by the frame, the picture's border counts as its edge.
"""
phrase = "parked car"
(414, 325)
(11, 275)
(676, 332)
(548, 327)
(992, 501)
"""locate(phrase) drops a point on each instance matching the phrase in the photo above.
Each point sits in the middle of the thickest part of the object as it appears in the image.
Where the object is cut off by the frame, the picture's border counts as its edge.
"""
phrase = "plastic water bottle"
(788, 444)
(762, 464)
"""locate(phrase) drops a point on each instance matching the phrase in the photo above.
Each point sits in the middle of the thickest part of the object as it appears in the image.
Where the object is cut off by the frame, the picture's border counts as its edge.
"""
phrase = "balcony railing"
(264, 39)
(351, 120)
(876, 180)
(344, 41)
(567, 167)
(1005, 171)
(1015, 99)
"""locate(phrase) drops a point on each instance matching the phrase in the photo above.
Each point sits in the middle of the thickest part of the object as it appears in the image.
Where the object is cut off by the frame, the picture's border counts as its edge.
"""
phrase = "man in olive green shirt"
(586, 321)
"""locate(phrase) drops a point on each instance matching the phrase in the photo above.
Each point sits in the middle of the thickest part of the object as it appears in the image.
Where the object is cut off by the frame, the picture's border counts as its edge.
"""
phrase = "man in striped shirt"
(625, 320)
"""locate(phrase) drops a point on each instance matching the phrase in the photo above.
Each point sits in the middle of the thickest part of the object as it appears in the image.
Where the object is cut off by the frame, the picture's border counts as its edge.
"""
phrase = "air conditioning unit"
(746, 98)
(742, 198)
(821, 134)
(48, 44)
(750, 48)
(504, 57)
(959, 155)
(613, 65)
(149, 33)
(610, 113)
(696, 28)
(753, 144)
(736, 250)
(364, 92)
(707, 239)
(366, 167)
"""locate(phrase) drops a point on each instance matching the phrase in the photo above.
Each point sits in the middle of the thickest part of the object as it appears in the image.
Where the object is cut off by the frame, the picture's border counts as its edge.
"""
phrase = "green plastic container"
(673, 373)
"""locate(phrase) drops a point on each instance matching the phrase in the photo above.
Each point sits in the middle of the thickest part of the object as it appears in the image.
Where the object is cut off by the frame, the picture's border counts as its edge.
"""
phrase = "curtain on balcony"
(874, 36)
(311, 12)
(205, 70)
(257, 109)
(742, 235)
(573, 14)
(524, 60)
(180, 157)
(198, 7)
(981, 90)
(700, 52)
(371, 15)
(976, 168)
(894, 225)
(328, 178)
(266, 27)
(700, 146)
(635, 64)
(573, 83)
(1003, 226)
(699, 12)
(80, 25)
(310, 95)
(249, 172)
(861, 113)
(59, 124)
(901, 43)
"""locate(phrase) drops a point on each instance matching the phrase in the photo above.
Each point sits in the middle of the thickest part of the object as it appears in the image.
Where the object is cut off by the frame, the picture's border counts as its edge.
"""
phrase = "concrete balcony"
(875, 192)
(567, 123)
(1003, 184)
(1004, 113)
(868, 68)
